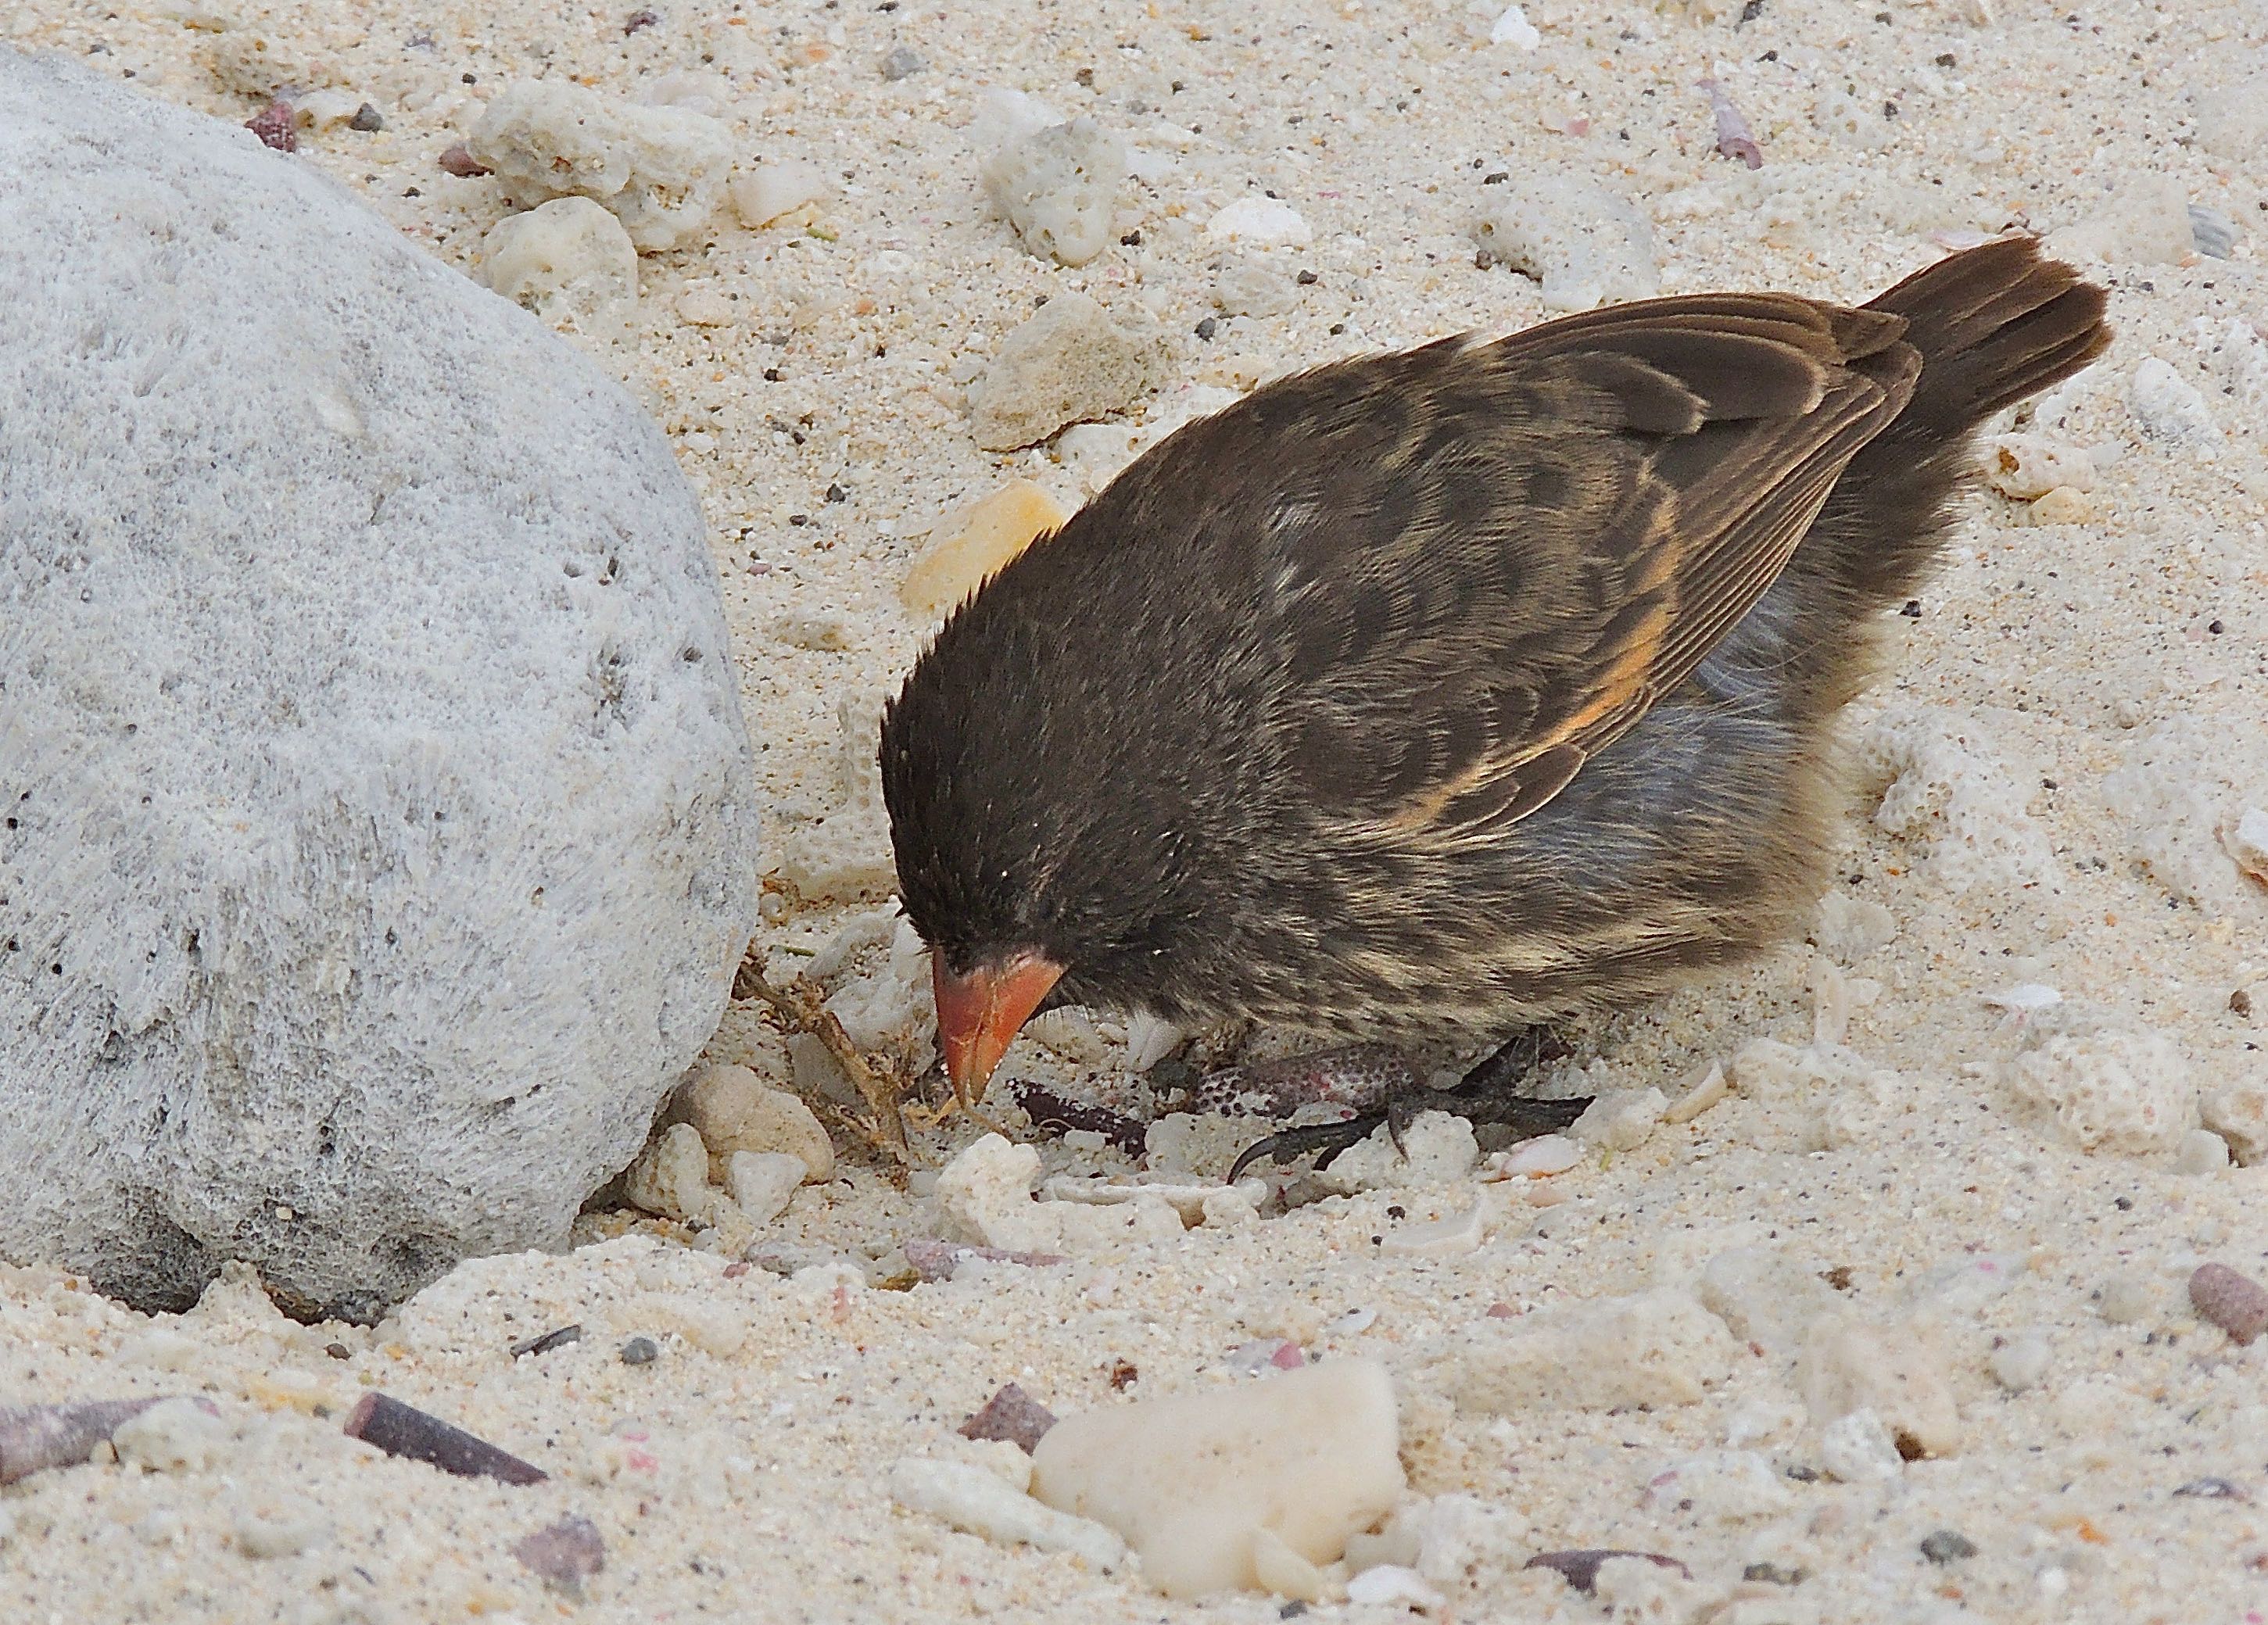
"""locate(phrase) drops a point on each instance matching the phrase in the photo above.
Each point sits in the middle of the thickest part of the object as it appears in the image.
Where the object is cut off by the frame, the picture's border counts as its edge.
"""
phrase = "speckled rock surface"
(379, 837)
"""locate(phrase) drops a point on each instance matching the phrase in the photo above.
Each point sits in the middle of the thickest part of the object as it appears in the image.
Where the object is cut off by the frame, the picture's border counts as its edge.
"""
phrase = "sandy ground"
(2071, 720)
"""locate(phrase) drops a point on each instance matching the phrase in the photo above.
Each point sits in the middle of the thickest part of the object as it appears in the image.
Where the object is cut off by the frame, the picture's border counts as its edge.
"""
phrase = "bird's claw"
(1329, 1139)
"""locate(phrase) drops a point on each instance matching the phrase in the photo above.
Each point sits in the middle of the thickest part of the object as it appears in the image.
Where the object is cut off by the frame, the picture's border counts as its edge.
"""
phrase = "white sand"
(741, 1475)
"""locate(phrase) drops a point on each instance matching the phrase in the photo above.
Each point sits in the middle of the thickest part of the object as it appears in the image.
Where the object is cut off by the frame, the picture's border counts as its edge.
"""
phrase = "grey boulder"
(377, 820)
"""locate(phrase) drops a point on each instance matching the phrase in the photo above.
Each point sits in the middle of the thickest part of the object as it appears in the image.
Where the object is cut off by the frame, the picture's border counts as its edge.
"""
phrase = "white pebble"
(2232, 123)
(734, 1110)
(2021, 1362)
(761, 1182)
(1948, 786)
(662, 171)
(2126, 1296)
(2247, 842)
(1586, 246)
(671, 1177)
(707, 307)
(2201, 1151)
(1710, 1088)
(1067, 361)
(2128, 1093)
(2024, 998)
(570, 262)
(173, 1436)
(1847, 928)
(1310, 1455)
(1059, 187)
(1278, 1569)
(1514, 28)
(1653, 1347)
(1260, 222)
(1857, 1449)
(766, 192)
(1765, 1296)
(975, 1500)
(1544, 1155)
(1390, 1585)
(1619, 1121)
(1450, 1238)
(985, 1195)
(270, 1534)
(2169, 408)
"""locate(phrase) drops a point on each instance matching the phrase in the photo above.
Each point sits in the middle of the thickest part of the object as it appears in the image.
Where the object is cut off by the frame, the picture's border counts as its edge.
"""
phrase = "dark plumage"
(1443, 692)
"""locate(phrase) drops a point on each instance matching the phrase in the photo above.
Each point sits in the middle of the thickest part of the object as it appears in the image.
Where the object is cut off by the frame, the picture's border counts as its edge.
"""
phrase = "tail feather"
(1993, 325)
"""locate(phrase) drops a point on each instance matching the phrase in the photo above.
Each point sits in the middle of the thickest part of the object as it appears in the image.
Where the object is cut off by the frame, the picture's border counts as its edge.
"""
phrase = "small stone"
(1436, 1150)
(1537, 1159)
(1310, 1456)
(366, 118)
(984, 1194)
(175, 1435)
(761, 1182)
(734, 1110)
(2212, 1489)
(2213, 233)
(1848, 1364)
(1057, 187)
(2236, 1302)
(278, 126)
(1948, 1547)
(1011, 1414)
(1391, 1586)
(662, 171)
(2232, 123)
(459, 161)
(2201, 1152)
(977, 1501)
(671, 1177)
(1722, 1487)
(1260, 222)
(1249, 289)
(1619, 1121)
(2247, 842)
(1765, 1296)
(1066, 363)
(563, 1553)
(766, 192)
(985, 537)
(252, 62)
(1857, 1449)
(1586, 246)
(2063, 505)
(1283, 1572)
(1654, 1348)
(2125, 1297)
(570, 262)
(1513, 28)
(2025, 466)
(2169, 408)
(2021, 1362)
(902, 61)
(2110, 1091)
(640, 1351)
(385, 1424)
(1711, 1087)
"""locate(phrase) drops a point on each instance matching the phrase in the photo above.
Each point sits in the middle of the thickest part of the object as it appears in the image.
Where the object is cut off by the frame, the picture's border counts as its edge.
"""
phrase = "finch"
(1434, 696)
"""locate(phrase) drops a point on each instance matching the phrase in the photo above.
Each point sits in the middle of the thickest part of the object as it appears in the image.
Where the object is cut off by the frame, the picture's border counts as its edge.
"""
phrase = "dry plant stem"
(798, 1007)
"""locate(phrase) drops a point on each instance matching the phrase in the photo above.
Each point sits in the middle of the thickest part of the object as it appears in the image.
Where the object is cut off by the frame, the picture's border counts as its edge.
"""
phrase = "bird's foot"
(1487, 1093)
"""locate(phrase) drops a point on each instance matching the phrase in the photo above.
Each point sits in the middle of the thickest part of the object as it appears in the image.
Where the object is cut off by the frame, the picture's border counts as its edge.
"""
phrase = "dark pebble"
(2240, 1003)
(459, 161)
(1208, 327)
(1496, 177)
(1011, 1414)
(1946, 1547)
(1483, 259)
(366, 118)
(338, 1351)
(641, 1351)
(643, 18)
(547, 1341)
(1132, 239)
(1308, 279)
(903, 62)
(1581, 1568)
(835, 493)
(2236, 1302)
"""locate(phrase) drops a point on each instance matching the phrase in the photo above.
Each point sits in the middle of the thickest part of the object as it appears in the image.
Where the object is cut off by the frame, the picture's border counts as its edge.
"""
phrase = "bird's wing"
(1489, 559)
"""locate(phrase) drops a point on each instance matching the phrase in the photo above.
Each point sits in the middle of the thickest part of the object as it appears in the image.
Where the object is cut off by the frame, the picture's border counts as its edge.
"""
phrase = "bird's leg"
(1489, 1092)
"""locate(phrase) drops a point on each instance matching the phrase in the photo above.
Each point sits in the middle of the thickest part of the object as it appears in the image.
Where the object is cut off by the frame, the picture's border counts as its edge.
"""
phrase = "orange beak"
(978, 1015)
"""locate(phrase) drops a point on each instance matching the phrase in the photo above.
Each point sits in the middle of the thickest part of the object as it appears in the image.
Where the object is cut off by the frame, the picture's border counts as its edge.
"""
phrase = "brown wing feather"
(1539, 536)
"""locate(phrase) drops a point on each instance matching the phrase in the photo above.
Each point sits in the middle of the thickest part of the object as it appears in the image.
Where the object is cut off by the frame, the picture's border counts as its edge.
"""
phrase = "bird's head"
(1049, 842)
